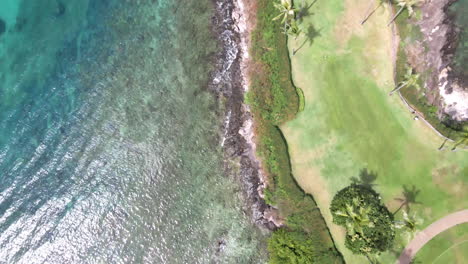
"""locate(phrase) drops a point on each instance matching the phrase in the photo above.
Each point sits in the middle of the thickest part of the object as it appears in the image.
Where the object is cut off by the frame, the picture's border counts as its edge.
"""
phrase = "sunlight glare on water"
(109, 142)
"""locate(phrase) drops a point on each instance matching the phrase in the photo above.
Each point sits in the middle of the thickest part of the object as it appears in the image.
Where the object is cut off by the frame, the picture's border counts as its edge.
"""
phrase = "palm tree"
(409, 224)
(356, 220)
(293, 30)
(408, 4)
(443, 144)
(410, 79)
(463, 138)
(287, 11)
(373, 10)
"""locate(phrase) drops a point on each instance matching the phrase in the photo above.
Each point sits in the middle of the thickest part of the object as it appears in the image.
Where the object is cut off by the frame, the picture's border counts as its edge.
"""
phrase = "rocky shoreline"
(233, 22)
(434, 55)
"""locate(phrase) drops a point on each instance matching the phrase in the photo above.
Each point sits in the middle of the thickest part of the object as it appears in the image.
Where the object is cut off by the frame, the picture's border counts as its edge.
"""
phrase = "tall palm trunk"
(459, 143)
(300, 47)
(372, 12)
(398, 88)
(403, 204)
(396, 15)
(443, 145)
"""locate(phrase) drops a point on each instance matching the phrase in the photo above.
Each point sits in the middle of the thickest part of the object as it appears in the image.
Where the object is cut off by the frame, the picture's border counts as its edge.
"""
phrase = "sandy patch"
(379, 45)
(377, 37)
(350, 22)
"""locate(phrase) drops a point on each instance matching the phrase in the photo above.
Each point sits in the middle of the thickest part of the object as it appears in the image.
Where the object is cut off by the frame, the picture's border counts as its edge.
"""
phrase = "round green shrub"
(368, 222)
(286, 246)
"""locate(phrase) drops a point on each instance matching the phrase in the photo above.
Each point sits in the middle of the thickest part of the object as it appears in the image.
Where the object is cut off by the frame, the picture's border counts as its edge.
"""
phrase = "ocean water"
(109, 140)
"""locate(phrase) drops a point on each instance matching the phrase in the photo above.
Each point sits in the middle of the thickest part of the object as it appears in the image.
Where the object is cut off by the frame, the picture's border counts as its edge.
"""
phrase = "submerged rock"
(2, 26)
(60, 10)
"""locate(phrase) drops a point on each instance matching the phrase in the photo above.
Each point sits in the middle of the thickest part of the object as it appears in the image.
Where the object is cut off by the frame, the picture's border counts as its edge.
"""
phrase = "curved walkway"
(430, 232)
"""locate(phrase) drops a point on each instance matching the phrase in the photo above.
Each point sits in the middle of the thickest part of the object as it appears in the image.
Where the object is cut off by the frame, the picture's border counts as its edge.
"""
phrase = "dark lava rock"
(60, 11)
(2, 26)
(20, 24)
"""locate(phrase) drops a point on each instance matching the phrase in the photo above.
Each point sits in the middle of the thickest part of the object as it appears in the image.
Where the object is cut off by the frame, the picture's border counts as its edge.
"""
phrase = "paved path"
(430, 232)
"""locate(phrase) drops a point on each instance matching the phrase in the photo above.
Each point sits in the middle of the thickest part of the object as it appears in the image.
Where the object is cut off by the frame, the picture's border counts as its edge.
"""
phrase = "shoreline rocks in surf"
(229, 84)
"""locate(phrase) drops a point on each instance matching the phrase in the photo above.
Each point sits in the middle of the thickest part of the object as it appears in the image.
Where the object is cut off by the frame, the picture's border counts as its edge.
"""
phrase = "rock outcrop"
(434, 55)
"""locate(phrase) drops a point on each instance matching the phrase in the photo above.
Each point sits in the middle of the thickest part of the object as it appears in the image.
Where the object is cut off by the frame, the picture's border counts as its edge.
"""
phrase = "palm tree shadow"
(442, 147)
(409, 197)
(304, 11)
(310, 34)
(366, 178)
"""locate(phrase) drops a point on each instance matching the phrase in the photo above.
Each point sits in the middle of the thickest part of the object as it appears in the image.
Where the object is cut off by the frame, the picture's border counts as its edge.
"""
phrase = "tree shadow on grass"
(442, 147)
(366, 178)
(310, 34)
(304, 11)
(409, 198)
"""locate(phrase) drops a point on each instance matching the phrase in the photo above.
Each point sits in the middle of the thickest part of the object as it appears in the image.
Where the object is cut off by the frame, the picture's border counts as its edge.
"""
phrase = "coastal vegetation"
(290, 247)
(274, 100)
(411, 79)
(405, 4)
(295, 247)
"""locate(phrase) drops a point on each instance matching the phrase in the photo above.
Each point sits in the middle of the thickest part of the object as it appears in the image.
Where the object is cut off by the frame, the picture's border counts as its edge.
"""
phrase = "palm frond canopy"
(409, 5)
(286, 9)
(357, 217)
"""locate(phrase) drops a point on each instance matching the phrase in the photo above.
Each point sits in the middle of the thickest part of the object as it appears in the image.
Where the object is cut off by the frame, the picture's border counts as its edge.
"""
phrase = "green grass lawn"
(451, 245)
(350, 123)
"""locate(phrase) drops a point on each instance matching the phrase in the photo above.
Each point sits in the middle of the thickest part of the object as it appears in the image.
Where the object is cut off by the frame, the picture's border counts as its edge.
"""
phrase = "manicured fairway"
(350, 123)
(452, 247)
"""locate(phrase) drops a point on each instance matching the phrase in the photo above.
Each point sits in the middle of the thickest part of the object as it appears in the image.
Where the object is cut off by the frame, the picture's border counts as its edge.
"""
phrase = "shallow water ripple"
(109, 142)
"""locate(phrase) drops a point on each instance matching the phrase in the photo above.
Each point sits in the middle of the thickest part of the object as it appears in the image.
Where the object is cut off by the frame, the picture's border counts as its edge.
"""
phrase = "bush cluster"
(377, 236)
(274, 100)
(287, 246)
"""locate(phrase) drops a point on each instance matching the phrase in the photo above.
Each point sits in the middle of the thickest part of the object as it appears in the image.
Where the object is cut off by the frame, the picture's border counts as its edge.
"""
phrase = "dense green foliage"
(274, 100)
(288, 246)
(368, 222)
(279, 100)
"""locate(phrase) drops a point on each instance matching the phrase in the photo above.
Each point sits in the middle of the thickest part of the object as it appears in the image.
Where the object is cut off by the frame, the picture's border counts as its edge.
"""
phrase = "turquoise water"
(109, 141)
